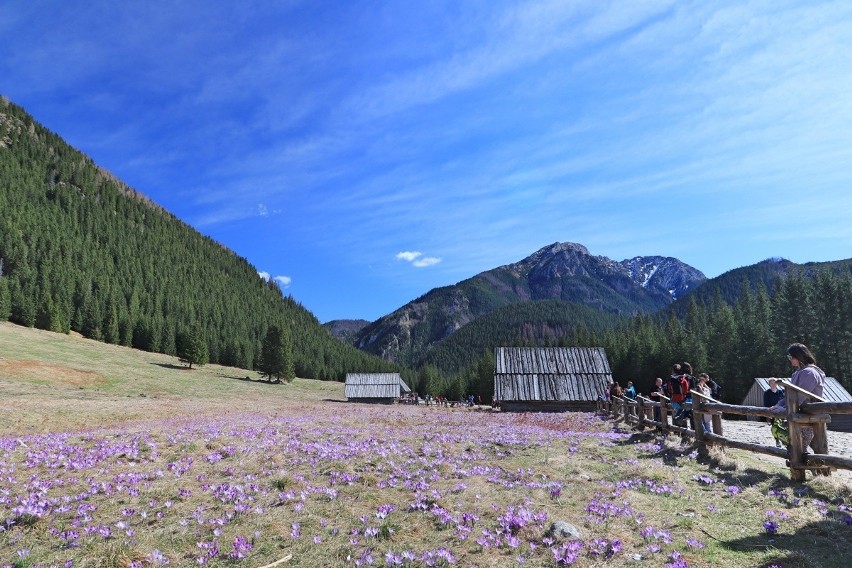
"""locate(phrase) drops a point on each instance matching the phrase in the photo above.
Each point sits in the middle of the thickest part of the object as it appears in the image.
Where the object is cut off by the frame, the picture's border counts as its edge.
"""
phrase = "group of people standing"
(680, 384)
(677, 389)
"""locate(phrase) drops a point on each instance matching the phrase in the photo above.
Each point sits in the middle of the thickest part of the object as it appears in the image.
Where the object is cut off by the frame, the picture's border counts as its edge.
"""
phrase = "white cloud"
(409, 256)
(262, 210)
(426, 261)
(417, 259)
(283, 281)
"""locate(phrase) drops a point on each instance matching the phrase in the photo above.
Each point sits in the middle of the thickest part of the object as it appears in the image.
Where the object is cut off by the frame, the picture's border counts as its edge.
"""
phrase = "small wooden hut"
(832, 391)
(550, 379)
(382, 388)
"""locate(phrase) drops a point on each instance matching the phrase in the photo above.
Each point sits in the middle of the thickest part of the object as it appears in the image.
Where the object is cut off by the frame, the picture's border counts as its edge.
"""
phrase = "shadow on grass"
(172, 366)
(248, 379)
(823, 543)
(727, 471)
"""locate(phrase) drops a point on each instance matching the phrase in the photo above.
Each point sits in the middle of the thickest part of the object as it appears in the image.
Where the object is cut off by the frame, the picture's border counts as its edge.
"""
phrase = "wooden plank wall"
(373, 385)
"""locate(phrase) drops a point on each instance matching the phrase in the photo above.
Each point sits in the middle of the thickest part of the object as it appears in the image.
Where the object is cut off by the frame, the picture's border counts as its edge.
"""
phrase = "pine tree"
(193, 348)
(276, 357)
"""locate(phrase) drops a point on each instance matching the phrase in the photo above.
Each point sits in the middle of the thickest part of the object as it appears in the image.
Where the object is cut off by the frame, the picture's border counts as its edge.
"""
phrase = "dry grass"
(54, 382)
(115, 478)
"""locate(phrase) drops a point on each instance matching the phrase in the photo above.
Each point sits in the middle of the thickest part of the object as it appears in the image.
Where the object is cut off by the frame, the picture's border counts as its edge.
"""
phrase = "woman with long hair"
(807, 376)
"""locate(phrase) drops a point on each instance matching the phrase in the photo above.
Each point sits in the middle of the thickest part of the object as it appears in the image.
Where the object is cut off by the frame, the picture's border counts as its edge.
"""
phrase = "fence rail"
(804, 410)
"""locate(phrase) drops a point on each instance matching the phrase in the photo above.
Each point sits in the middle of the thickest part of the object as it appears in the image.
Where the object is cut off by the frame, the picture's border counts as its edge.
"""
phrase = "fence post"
(717, 424)
(698, 420)
(820, 444)
(641, 412)
(664, 415)
(797, 471)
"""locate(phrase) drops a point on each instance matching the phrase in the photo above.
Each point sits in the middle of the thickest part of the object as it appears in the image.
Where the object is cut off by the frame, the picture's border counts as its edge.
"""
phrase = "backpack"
(679, 387)
(715, 389)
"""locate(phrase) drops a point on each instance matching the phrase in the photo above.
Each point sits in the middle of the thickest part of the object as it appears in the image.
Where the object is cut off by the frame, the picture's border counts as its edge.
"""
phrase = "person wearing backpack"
(686, 369)
(677, 387)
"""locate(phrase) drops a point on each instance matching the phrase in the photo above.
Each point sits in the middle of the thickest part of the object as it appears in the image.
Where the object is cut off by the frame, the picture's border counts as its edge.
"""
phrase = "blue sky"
(366, 152)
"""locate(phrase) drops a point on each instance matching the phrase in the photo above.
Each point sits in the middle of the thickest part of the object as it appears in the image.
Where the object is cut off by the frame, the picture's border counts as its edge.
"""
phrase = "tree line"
(735, 338)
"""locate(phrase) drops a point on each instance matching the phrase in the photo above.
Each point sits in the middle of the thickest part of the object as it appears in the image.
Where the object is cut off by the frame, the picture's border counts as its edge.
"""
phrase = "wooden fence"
(812, 413)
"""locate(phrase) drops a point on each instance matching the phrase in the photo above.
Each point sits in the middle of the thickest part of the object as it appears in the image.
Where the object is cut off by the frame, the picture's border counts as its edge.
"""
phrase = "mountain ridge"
(561, 271)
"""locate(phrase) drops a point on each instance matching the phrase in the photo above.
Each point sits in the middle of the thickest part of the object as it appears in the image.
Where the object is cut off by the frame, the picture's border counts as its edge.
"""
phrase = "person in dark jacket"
(773, 395)
(658, 390)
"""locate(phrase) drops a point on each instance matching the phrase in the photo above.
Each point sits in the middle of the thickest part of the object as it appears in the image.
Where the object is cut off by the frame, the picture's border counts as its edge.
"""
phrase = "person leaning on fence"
(630, 391)
(675, 389)
(807, 376)
(615, 390)
(715, 388)
(704, 388)
(655, 396)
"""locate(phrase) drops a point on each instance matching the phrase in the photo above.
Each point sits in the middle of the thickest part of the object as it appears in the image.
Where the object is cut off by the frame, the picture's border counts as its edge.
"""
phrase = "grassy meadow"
(111, 457)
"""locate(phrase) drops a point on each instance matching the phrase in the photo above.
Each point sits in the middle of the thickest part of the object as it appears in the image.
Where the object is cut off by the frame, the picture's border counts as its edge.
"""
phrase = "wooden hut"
(383, 388)
(551, 379)
(832, 391)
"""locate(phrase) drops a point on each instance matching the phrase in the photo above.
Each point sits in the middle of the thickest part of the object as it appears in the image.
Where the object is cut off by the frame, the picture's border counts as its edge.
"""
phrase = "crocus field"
(339, 484)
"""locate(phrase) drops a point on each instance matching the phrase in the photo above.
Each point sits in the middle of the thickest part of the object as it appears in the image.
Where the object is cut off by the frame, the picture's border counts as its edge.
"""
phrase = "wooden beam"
(744, 410)
(826, 460)
(826, 407)
(727, 442)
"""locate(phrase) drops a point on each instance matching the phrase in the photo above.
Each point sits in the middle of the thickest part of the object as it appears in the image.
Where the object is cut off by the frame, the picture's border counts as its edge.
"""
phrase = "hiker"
(715, 388)
(677, 387)
(630, 391)
(807, 376)
(704, 388)
(773, 395)
(778, 426)
(686, 369)
(678, 391)
(615, 390)
(655, 396)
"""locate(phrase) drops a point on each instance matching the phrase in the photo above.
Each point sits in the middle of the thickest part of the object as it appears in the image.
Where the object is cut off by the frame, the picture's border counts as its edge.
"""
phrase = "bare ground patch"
(51, 373)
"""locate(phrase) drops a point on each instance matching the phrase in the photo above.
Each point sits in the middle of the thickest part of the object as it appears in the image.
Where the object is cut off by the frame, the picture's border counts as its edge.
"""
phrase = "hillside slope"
(81, 251)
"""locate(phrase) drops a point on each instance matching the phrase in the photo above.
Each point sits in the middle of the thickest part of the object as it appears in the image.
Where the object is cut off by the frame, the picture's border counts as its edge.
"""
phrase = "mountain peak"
(559, 271)
(567, 247)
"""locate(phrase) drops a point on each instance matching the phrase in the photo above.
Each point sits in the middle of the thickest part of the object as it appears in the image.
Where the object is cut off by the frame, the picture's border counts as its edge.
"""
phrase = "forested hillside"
(81, 251)
(746, 338)
(733, 335)
(543, 322)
